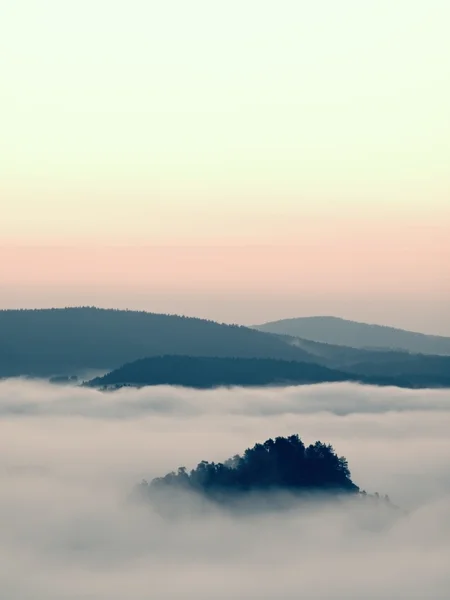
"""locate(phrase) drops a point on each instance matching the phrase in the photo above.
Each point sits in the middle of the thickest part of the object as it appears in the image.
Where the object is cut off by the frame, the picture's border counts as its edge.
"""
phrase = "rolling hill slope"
(378, 363)
(209, 372)
(333, 330)
(73, 340)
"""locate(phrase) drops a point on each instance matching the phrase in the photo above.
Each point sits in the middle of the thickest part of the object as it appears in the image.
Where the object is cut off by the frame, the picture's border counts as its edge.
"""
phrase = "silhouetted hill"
(333, 330)
(283, 465)
(208, 372)
(72, 340)
(433, 369)
(211, 372)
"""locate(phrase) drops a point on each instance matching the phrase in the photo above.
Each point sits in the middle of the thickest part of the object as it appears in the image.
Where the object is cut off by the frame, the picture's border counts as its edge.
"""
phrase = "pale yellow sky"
(247, 122)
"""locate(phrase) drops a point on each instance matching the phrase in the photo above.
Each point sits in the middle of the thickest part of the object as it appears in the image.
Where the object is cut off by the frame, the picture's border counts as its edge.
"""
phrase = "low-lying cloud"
(70, 456)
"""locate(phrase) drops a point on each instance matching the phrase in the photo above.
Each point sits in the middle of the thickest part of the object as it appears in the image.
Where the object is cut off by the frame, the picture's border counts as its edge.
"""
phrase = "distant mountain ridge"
(69, 341)
(76, 341)
(342, 332)
(211, 372)
(377, 362)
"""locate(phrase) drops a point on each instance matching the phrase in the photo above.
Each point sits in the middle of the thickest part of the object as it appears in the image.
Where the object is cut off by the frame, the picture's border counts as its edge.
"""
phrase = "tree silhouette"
(283, 463)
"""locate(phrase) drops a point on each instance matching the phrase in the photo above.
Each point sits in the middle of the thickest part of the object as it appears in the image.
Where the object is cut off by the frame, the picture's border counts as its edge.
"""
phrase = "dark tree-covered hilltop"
(77, 341)
(274, 475)
(283, 464)
(210, 372)
(71, 341)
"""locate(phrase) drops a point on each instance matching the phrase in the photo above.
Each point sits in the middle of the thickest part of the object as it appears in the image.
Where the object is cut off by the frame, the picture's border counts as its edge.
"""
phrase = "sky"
(242, 161)
(66, 522)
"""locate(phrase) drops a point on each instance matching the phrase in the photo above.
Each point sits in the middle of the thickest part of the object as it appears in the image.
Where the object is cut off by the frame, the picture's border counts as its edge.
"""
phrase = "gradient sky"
(244, 161)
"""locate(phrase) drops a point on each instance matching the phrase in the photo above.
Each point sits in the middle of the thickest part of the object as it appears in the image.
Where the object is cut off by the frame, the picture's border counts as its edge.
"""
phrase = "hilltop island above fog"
(280, 466)
(212, 372)
(209, 372)
(64, 344)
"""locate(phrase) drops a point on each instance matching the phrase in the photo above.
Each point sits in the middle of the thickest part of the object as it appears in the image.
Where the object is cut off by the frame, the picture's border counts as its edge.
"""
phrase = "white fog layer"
(71, 456)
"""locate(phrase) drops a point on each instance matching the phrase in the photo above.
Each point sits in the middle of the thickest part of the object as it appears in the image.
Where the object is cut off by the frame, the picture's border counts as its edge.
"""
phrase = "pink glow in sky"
(389, 274)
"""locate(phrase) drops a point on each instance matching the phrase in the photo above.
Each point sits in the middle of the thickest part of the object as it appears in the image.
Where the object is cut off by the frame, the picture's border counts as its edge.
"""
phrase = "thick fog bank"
(70, 456)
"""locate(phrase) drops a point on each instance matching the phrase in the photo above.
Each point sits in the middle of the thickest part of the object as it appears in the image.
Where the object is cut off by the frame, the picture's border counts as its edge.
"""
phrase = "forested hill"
(333, 330)
(209, 372)
(75, 341)
(275, 475)
(72, 340)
